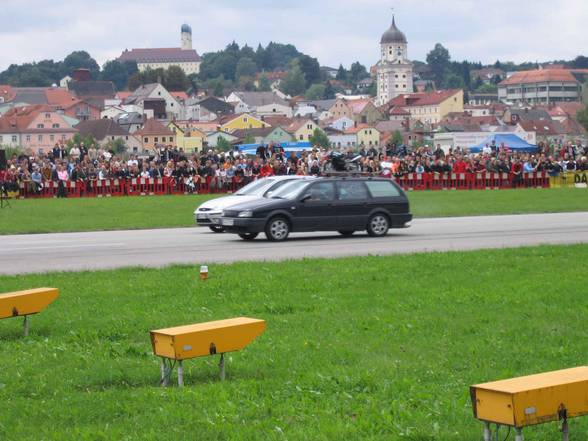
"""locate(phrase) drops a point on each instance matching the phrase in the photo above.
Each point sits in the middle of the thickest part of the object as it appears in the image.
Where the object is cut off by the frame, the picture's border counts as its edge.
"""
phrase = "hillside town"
(397, 102)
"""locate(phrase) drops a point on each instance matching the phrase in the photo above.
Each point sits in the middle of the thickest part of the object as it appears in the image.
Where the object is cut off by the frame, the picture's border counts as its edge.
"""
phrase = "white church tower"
(186, 37)
(394, 68)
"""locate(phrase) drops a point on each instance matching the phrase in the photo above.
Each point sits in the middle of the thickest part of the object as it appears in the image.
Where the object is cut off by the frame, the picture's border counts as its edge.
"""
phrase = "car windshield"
(290, 190)
(255, 188)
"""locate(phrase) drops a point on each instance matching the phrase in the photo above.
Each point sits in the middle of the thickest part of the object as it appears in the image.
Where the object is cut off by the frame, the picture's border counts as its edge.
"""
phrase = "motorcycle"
(338, 162)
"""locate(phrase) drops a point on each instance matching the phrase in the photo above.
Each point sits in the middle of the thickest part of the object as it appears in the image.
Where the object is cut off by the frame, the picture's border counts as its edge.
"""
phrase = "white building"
(259, 103)
(156, 92)
(184, 56)
(394, 70)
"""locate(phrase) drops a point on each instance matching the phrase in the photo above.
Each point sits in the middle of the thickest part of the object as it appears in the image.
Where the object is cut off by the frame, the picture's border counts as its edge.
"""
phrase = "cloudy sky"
(334, 31)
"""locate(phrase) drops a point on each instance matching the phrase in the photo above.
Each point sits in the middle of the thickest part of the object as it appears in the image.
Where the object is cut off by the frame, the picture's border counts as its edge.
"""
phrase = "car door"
(352, 205)
(315, 208)
(387, 196)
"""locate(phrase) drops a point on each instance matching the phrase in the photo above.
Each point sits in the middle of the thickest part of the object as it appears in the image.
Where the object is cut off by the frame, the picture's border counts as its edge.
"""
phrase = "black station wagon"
(338, 204)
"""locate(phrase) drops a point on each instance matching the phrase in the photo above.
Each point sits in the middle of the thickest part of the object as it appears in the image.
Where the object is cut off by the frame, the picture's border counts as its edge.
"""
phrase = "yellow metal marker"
(25, 303)
(533, 399)
(202, 339)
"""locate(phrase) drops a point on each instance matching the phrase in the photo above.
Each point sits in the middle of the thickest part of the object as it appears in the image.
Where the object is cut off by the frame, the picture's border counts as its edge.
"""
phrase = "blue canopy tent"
(513, 142)
(289, 147)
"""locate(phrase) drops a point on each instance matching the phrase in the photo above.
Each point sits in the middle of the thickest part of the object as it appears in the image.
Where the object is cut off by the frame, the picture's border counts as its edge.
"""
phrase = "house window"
(396, 76)
(40, 138)
(55, 126)
(301, 137)
(51, 138)
(245, 119)
(403, 76)
(28, 138)
(1, 138)
(156, 139)
(40, 126)
(63, 137)
(47, 115)
(145, 139)
(309, 126)
(13, 138)
(274, 110)
(171, 104)
(126, 138)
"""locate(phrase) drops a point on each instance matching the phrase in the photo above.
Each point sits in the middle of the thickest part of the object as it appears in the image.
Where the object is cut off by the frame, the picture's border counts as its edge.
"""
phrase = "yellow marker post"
(202, 339)
(25, 303)
(533, 399)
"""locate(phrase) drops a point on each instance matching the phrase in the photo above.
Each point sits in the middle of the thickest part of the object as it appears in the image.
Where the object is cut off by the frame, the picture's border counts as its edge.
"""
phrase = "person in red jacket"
(266, 170)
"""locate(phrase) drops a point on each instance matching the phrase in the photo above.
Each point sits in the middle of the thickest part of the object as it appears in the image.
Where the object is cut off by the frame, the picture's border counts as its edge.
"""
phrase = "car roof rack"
(349, 174)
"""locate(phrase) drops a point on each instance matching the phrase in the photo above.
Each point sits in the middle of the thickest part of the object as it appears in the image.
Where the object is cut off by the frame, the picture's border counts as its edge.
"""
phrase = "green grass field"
(61, 215)
(372, 348)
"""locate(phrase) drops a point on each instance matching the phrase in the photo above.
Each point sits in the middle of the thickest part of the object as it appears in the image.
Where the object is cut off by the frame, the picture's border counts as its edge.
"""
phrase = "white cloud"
(334, 31)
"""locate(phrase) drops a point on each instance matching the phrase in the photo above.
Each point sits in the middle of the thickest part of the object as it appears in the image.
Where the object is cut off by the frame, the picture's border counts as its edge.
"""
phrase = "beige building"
(428, 107)
(184, 56)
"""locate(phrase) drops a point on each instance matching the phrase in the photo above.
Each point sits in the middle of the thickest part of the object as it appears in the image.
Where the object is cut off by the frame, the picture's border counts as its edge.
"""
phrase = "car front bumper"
(207, 218)
(243, 224)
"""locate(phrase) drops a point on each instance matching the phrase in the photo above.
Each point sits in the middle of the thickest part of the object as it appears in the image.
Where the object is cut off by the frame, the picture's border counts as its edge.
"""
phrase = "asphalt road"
(154, 248)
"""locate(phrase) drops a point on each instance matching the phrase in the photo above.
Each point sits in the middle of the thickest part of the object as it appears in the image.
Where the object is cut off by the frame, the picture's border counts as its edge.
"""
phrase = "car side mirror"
(306, 197)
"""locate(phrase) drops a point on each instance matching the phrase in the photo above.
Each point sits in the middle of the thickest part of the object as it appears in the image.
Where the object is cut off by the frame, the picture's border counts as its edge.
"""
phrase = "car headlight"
(246, 213)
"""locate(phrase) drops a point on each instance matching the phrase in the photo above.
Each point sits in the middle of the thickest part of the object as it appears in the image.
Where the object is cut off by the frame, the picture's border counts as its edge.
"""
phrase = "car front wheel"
(378, 225)
(248, 236)
(277, 229)
(216, 229)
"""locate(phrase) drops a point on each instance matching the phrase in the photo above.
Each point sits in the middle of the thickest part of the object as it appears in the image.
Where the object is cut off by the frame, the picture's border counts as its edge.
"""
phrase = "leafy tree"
(249, 139)
(498, 65)
(294, 83)
(310, 68)
(439, 61)
(175, 79)
(246, 67)
(315, 92)
(79, 60)
(397, 138)
(341, 73)
(264, 84)
(373, 89)
(246, 83)
(580, 62)
(454, 81)
(117, 145)
(329, 93)
(486, 88)
(357, 72)
(118, 72)
(319, 138)
(223, 144)
(88, 140)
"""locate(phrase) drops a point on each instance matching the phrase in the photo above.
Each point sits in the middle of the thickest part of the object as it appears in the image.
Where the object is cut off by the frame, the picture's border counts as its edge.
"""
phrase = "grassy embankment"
(371, 348)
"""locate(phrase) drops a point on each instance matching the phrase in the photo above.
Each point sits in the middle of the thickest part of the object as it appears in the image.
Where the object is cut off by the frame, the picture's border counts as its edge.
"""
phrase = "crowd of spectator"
(80, 163)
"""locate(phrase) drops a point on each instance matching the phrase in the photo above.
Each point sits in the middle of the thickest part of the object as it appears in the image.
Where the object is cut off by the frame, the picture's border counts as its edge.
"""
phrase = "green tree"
(329, 91)
(439, 61)
(117, 72)
(454, 81)
(246, 67)
(487, 88)
(397, 138)
(373, 89)
(341, 73)
(264, 84)
(175, 79)
(118, 146)
(294, 82)
(319, 138)
(246, 83)
(79, 60)
(223, 144)
(315, 92)
(249, 139)
(310, 68)
(357, 72)
(88, 140)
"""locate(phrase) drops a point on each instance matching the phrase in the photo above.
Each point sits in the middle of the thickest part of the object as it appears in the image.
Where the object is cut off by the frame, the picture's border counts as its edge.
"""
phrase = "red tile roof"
(153, 127)
(540, 76)
(359, 127)
(180, 96)
(422, 98)
(123, 95)
(541, 127)
(160, 55)
(18, 119)
(399, 111)
(357, 106)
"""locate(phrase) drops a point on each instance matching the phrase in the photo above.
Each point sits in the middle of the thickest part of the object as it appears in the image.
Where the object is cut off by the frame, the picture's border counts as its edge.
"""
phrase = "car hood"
(263, 203)
(226, 201)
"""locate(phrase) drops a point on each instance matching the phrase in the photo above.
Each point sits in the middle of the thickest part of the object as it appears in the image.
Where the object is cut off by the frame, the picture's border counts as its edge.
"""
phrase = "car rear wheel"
(378, 225)
(248, 236)
(217, 229)
(346, 233)
(277, 229)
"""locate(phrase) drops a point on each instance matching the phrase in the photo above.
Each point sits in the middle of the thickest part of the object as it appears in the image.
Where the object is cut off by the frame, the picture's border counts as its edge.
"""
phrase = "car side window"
(322, 191)
(382, 189)
(352, 191)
